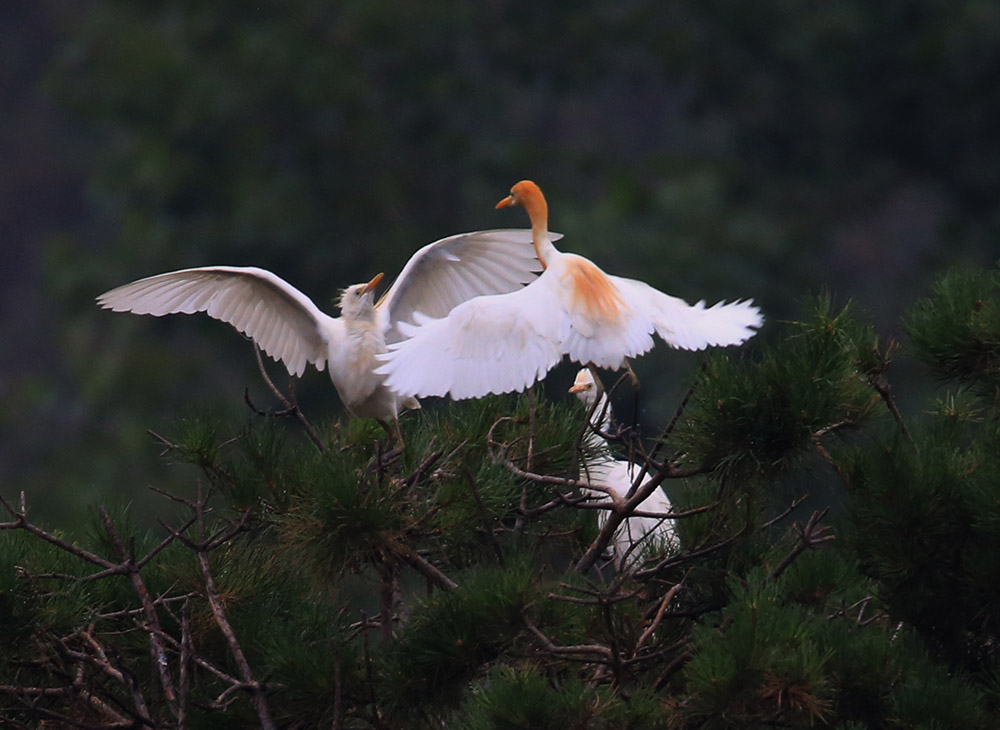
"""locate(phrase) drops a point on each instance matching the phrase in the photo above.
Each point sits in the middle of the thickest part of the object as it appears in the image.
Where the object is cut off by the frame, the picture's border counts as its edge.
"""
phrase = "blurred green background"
(713, 149)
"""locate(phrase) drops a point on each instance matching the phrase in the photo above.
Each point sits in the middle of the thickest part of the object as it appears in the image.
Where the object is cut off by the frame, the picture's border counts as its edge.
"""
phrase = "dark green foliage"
(926, 524)
(522, 698)
(749, 419)
(359, 586)
(957, 330)
(764, 664)
(449, 637)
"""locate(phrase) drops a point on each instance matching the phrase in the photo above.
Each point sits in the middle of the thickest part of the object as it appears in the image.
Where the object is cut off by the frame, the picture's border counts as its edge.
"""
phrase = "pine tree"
(837, 563)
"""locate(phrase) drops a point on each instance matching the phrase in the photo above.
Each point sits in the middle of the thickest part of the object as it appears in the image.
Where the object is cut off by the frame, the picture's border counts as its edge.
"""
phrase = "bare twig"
(157, 651)
(187, 651)
(810, 536)
(673, 560)
(421, 469)
(418, 563)
(880, 384)
(521, 521)
(782, 515)
(21, 523)
(290, 405)
(829, 460)
(665, 434)
(338, 691)
(115, 718)
(597, 652)
(487, 529)
(654, 624)
(202, 547)
(671, 669)
(387, 596)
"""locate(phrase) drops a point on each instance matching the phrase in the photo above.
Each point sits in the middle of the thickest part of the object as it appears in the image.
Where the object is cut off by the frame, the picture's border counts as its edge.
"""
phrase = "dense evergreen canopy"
(459, 582)
(838, 519)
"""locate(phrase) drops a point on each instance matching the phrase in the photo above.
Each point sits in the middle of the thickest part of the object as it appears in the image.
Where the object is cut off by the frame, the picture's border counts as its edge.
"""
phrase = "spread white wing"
(443, 274)
(490, 344)
(278, 317)
(692, 326)
(505, 342)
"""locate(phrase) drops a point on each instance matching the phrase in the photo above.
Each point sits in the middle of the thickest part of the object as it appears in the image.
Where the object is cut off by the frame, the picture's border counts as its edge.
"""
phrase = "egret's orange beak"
(578, 388)
(370, 286)
(509, 200)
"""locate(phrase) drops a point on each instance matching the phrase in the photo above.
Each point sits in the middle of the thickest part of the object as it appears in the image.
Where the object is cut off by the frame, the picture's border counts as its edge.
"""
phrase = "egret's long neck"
(600, 420)
(538, 211)
(359, 320)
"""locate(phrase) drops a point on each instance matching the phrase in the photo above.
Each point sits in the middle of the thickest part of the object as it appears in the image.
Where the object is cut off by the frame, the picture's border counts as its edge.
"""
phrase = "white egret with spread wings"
(506, 342)
(289, 327)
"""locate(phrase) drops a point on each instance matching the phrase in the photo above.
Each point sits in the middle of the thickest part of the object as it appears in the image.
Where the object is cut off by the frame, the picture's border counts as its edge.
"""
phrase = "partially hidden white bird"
(506, 342)
(286, 324)
(612, 478)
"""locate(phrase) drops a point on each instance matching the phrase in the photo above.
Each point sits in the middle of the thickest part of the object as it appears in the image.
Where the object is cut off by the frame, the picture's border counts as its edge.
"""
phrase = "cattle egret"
(613, 478)
(286, 324)
(505, 342)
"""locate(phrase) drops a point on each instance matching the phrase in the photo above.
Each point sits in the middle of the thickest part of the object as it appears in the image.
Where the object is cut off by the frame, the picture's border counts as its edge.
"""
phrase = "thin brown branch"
(290, 405)
(387, 597)
(880, 384)
(829, 460)
(411, 479)
(162, 600)
(338, 694)
(810, 536)
(157, 651)
(116, 719)
(669, 562)
(187, 652)
(654, 624)
(481, 506)
(665, 434)
(595, 650)
(98, 658)
(671, 669)
(422, 566)
(791, 508)
(21, 523)
(257, 690)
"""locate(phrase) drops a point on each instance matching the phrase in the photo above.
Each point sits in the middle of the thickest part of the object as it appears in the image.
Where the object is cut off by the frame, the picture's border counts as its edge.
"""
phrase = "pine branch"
(669, 562)
(156, 648)
(418, 563)
(654, 624)
(257, 690)
(637, 495)
(21, 523)
(22, 693)
(487, 529)
(290, 406)
(596, 652)
(810, 536)
(98, 659)
(410, 480)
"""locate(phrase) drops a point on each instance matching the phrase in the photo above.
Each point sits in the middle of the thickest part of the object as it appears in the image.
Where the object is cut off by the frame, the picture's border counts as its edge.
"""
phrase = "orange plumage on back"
(593, 291)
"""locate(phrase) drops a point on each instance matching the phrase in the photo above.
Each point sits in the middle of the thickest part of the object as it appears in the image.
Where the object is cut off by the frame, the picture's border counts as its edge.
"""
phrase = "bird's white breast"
(352, 365)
